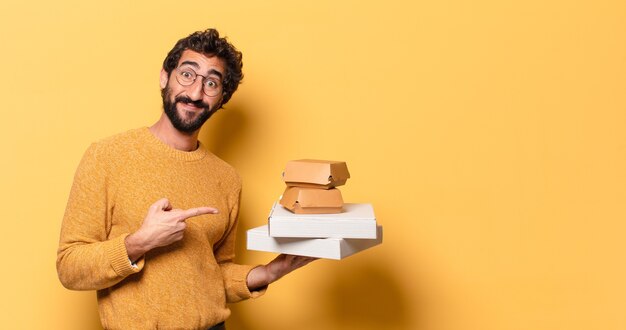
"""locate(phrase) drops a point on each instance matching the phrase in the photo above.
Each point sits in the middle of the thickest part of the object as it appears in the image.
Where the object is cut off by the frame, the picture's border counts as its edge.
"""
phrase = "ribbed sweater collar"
(161, 148)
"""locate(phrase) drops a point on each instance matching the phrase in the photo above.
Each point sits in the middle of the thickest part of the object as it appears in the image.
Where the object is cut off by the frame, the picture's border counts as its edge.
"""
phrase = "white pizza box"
(355, 221)
(258, 239)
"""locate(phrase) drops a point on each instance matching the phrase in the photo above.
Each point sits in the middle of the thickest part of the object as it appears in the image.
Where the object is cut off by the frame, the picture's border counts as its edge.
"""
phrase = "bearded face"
(184, 120)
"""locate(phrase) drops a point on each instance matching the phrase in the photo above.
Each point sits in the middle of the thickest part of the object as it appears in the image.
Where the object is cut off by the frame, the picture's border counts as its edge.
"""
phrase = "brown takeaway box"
(311, 173)
(312, 201)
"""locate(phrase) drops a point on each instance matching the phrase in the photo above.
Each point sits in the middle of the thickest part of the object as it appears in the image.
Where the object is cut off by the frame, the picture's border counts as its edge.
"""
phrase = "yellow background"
(489, 136)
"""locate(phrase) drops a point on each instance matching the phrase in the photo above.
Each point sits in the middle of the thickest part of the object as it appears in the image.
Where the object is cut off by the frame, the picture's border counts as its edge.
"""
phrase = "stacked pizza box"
(311, 219)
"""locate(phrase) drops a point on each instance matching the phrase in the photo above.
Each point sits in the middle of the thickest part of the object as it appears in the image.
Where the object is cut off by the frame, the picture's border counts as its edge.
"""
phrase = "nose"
(195, 89)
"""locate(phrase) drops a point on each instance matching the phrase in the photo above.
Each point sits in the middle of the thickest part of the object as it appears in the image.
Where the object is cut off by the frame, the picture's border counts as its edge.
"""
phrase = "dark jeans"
(220, 326)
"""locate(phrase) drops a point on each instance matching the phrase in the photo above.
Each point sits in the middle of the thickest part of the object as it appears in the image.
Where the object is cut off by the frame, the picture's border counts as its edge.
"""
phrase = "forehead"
(200, 62)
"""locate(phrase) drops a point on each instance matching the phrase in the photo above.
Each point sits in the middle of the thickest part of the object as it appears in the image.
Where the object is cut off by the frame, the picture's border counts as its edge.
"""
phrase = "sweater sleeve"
(235, 275)
(87, 259)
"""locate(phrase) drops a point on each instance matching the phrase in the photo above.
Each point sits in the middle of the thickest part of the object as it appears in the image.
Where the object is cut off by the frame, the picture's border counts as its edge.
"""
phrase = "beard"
(184, 125)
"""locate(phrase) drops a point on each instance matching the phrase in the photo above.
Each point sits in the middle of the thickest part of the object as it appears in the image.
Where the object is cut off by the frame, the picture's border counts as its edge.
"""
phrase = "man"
(151, 217)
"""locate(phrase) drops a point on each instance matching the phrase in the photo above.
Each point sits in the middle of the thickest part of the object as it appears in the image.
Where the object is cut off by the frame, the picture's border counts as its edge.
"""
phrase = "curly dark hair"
(209, 43)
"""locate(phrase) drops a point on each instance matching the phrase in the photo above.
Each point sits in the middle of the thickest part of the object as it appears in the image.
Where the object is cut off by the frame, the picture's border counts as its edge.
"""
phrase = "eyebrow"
(197, 66)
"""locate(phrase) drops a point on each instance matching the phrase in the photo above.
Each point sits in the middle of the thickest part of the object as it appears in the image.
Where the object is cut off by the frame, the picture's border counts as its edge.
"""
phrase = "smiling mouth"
(191, 106)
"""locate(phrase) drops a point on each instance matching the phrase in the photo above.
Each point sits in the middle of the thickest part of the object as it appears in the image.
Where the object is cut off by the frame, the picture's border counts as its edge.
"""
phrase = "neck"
(174, 138)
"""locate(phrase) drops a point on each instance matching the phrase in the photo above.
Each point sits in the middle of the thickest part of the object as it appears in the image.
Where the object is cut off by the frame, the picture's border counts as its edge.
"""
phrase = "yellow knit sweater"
(185, 285)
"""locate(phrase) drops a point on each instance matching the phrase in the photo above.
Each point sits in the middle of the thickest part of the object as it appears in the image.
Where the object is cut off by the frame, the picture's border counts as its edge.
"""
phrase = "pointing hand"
(162, 226)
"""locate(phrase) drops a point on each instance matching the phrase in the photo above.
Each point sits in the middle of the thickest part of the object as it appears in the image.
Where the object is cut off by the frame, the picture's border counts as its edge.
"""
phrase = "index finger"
(196, 211)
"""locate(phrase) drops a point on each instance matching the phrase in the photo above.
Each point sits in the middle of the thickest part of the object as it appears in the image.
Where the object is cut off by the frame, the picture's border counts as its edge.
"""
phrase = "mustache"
(186, 99)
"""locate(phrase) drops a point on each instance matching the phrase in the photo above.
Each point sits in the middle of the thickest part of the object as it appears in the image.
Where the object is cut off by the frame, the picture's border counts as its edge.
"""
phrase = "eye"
(212, 84)
(187, 75)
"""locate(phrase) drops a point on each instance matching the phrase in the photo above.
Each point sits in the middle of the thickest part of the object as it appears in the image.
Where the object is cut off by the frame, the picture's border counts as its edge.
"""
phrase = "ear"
(164, 77)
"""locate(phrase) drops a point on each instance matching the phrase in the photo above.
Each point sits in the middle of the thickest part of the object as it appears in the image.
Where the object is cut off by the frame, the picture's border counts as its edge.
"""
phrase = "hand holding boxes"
(311, 219)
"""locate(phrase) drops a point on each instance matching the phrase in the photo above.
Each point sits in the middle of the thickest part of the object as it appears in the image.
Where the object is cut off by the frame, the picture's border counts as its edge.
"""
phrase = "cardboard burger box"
(312, 173)
(301, 200)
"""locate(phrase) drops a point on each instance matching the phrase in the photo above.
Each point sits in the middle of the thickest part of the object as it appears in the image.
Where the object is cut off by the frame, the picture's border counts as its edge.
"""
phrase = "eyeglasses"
(211, 86)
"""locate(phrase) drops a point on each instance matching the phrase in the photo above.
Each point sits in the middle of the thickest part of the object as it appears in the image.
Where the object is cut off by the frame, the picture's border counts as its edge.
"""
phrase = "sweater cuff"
(118, 256)
(237, 287)
(259, 291)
